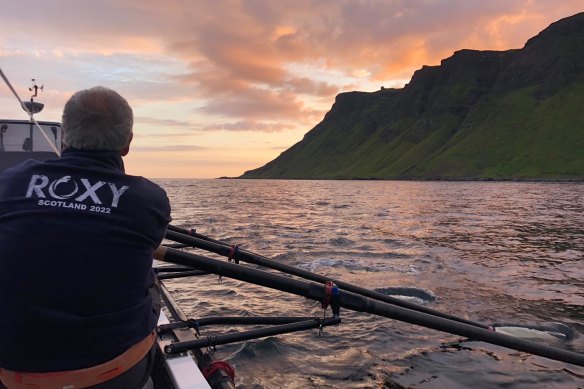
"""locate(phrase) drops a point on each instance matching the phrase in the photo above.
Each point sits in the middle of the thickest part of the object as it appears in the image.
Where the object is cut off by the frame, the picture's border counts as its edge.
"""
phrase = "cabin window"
(17, 137)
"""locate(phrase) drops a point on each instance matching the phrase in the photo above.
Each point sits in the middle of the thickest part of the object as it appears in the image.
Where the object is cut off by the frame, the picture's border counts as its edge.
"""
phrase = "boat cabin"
(21, 140)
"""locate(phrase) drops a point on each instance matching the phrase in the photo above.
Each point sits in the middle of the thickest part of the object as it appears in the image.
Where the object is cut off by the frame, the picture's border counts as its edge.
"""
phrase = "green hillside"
(516, 114)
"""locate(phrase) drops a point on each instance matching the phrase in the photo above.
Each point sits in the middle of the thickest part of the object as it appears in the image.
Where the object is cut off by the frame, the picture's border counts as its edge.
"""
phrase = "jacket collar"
(91, 158)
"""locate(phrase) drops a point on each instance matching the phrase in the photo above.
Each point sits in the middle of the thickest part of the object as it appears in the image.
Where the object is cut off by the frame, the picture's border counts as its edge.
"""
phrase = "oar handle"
(160, 253)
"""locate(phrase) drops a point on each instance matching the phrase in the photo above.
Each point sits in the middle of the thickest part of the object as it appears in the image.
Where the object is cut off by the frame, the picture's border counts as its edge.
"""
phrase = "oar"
(223, 248)
(194, 234)
(182, 236)
(181, 274)
(359, 303)
(212, 341)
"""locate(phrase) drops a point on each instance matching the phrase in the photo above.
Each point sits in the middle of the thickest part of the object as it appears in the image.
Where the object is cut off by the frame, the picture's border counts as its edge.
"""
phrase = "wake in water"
(417, 295)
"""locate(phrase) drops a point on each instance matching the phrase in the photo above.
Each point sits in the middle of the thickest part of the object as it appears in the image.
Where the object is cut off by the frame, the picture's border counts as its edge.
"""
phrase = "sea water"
(486, 251)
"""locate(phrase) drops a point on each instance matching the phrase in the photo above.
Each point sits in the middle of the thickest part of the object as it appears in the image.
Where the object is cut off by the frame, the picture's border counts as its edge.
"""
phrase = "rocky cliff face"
(516, 114)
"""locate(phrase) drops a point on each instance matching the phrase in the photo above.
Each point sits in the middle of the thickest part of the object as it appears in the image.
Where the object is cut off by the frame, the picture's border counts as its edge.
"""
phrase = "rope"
(30, 114)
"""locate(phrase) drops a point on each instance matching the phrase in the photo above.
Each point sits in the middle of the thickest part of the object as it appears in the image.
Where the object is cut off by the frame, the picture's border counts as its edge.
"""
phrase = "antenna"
(35, 88)
(33, 106)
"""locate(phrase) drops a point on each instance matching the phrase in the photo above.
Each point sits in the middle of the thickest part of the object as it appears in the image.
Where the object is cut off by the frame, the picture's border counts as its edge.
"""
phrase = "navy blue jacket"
(76, 241)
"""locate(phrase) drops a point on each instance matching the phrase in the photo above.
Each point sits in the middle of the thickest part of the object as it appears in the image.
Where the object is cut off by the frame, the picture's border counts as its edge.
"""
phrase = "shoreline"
(502, 179)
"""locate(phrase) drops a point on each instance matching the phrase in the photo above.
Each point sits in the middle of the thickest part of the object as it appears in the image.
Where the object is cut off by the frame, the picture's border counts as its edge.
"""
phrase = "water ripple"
(490, 252)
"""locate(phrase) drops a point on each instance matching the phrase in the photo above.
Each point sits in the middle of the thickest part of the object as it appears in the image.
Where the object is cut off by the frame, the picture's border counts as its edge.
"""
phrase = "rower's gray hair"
(97, 119)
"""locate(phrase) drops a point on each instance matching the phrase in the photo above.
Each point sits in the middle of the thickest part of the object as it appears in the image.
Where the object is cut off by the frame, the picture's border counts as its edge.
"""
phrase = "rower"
(77, 235)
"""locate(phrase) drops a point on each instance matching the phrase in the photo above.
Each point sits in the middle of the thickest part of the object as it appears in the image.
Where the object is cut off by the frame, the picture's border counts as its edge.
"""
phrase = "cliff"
(516, 114)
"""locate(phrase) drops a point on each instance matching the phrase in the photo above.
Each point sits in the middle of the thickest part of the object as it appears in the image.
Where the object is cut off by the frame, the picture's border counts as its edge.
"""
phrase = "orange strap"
(81, 378)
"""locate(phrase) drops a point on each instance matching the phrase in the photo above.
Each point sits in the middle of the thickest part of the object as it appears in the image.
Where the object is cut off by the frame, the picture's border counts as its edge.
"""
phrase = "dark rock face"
(468, 102)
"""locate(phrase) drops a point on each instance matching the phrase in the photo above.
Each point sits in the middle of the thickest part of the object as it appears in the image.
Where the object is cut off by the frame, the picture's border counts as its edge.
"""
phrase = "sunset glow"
(221, 87)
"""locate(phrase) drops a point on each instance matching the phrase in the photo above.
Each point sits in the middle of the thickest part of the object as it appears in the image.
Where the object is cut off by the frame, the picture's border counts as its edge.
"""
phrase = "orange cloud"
(254, 66)
(245, 47)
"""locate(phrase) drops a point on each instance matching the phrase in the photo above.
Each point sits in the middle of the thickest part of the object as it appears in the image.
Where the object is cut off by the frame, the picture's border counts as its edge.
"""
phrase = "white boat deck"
(182, 369)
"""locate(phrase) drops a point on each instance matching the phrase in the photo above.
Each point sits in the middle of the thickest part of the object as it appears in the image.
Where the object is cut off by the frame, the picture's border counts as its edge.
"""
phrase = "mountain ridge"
(504, 115)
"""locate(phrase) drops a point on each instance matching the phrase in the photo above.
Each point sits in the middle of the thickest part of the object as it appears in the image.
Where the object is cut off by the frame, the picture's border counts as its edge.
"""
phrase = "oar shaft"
(230, 320)
(246, 256)
(184, 274)
(217, 340)
(193, 233)
(360, 303)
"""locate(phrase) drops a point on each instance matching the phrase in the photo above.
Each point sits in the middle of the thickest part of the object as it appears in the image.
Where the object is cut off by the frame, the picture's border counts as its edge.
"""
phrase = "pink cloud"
(233, 57)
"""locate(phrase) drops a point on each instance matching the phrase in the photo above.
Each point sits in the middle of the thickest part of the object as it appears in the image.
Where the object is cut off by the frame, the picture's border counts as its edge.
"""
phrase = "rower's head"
(98, 119)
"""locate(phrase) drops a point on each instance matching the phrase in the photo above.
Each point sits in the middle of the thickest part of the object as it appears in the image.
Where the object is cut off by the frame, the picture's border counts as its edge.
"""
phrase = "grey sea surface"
(491, 252)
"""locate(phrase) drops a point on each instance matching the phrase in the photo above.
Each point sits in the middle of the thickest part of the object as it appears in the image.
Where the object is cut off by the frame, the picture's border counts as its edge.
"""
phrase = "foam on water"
(551, 332)
(421, 295)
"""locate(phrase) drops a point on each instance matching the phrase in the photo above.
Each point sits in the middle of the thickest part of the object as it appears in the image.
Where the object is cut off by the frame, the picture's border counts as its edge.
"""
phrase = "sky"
(219, 87)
